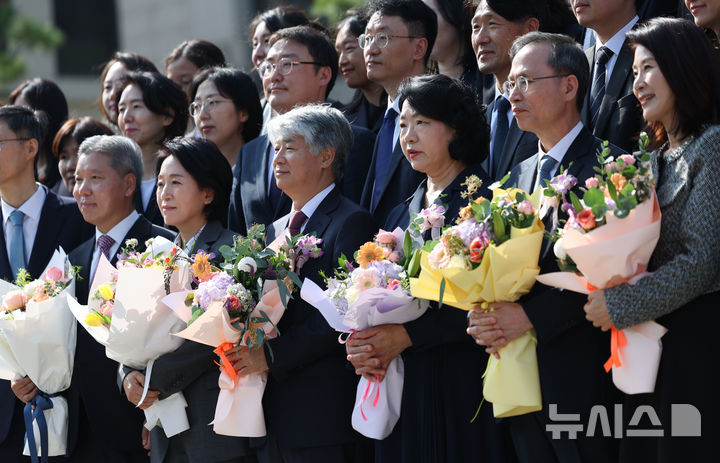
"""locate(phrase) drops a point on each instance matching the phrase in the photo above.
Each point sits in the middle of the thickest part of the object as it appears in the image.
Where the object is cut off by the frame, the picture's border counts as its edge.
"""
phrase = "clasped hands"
(371, 350)
(497, 324)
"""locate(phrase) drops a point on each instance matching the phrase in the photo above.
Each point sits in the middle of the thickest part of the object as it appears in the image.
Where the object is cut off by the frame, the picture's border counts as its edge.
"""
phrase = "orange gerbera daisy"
(201, 267)
(369, 252)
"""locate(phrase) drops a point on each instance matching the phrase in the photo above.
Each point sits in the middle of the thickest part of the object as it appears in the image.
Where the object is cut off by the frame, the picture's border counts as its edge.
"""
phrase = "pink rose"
(525, 207)
(439, 257)
(592, 182)
(611, 167)
(394, 257)
(386, 238)
(586, 219)
(53, 274)
(13, 300)
(628, 159)
(106, 308)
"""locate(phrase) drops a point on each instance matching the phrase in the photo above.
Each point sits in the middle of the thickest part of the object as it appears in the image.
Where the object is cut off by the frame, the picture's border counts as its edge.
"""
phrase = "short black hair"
(455, 104)
(161, 96)
(207, 165)
(24, 122)
(199, 52)
(356, 19)
(237, 86)
(420, 19)
(278, 18)
(78, 130)
(318, 44)
(566, 57)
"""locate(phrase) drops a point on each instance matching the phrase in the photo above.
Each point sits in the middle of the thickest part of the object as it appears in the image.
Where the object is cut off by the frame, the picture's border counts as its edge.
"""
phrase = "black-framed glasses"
(196, 107)
(381, 39)
(284, 66)
(12, 139)
(522, 83)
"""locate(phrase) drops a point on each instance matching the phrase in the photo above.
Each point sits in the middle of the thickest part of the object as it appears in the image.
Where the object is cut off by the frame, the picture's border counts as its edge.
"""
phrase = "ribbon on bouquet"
(35, 411)
(617, 340)
(225, 362)
(370, 385)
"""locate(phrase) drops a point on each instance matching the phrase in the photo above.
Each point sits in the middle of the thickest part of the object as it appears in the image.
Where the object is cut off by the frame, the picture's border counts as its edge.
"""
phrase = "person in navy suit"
(300, 68)
(47, 222)
(397, 43)
(570, 351)
(103, 425)
(311, 389)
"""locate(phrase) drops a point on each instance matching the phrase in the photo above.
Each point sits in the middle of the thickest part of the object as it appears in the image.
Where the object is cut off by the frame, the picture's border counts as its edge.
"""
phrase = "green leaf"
(429, 245)
(594, 198)
(441, 293)
(500, 182)
(295, 279)
(196, 313)
(498, 226)
(577, 205)
(414, 266)
(285, 295)
(407, 243)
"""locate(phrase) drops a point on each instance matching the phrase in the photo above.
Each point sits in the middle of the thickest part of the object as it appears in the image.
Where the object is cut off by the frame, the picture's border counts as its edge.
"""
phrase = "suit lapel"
(210, 234)
(526, 177)
(5, 270)
(585, 112)
(141, 231)
(45, 239)
(615, 85)
(83, 258)
(395, 160)
(485, 164)
(508, 153)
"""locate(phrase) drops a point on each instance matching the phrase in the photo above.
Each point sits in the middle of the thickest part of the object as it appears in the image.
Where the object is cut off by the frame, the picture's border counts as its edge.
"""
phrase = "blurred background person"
(66, 142)
(452, 53)
(151, 109)
(112, 79)
(706, 14)
(189, 58)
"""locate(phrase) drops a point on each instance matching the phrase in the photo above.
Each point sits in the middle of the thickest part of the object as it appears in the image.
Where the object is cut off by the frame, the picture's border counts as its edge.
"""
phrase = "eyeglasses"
(381, 39)
(12, 139)
(284, 66)
(208, 105)
(522, 83)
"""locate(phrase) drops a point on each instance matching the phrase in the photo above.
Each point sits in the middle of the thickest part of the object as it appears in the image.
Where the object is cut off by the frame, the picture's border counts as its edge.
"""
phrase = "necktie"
(297, 218)
(384, 154)
(275, 193)
(17, 242)
(104, 244)
(597, 92)
(502, 105)
(547, 164)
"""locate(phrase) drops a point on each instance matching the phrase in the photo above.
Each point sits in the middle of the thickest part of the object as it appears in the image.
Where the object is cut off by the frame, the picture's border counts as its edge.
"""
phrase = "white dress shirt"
(32, 208)
(396, 106)
(559, 150)
(117, 233)
(615, 44)
(146, 190)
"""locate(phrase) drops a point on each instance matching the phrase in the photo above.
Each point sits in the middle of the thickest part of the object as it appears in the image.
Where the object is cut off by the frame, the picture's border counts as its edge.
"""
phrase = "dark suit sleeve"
(438, 326)
(357, 164)
(174, 371)
(553, 311)
(304, 344)
(236, 218)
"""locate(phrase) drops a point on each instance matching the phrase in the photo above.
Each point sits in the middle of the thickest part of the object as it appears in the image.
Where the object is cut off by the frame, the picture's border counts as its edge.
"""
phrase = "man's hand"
(596, 310)
(24, 389)
(371, 350)
(133, 385)
(510, 319)
(245, 362)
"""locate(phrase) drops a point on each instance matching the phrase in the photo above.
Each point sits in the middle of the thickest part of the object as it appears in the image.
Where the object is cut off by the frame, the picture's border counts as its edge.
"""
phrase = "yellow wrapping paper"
(506, 273)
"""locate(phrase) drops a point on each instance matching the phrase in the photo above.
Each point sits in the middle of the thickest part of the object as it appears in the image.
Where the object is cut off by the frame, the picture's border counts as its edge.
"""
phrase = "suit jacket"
(61, 224)
(620, 117)
(310, 391)
(191, 369)
(152, 213)
(93, 390)
(571, 352)
(519, 145)
(401, 180)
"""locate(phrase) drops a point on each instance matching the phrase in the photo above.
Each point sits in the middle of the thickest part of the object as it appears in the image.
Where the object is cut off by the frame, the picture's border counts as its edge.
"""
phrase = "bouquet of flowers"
(240, 303)
(37, 340)
(125, 314)
(608, 239)
(491, 254)
(375, 292)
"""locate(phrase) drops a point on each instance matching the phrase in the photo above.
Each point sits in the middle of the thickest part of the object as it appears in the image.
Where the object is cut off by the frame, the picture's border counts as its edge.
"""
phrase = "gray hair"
(321, 126)
(566, 57)
(125, 155)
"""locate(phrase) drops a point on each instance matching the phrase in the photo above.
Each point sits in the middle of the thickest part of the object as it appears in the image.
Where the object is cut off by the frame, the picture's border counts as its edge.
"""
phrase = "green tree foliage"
(333, 10)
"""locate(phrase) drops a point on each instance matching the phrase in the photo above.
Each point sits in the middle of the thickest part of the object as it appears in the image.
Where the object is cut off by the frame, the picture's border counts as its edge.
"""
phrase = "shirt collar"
(394, 105)
(121, 229)
(32, 207)
(560, 149)
(311, 206)
(616, 41)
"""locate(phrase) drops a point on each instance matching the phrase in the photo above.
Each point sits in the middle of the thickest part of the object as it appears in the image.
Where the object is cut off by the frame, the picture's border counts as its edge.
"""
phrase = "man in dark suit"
(508, 144)
(610, 109)
(396, 45)
(46, 222)
(300, 68)
(310, 390)
(570, 355)
(103, 425)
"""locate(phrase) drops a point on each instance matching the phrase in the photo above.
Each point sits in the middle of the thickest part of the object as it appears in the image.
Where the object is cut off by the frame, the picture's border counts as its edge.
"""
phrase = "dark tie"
(17, 242)
(384, 154)
(275, 192)
(547, 164)
(502, 127)
(297, 218)
(597, 92)
(104, 244)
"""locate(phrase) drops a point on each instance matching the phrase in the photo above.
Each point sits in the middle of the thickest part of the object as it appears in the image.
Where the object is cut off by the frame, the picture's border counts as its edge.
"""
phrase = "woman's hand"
(596, 310)
(371, 350)
(24, 389)
(133, 385)
(246, 362)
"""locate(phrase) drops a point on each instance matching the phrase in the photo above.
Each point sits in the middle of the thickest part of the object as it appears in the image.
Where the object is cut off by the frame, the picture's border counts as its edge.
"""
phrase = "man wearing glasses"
(546, 85)
(300, 68)
(396, 45)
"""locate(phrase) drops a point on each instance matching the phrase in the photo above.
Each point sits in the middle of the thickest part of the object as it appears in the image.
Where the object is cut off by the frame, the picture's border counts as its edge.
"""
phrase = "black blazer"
(519, 145)
(620, 118)
(362, 113)
(310, 391)
(401, 181)
(571, 352)
(93, 390)
(152, 213)
(61, 224)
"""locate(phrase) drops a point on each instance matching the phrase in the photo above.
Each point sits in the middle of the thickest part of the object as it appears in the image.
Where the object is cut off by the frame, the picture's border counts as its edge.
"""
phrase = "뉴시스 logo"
(684, 422)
